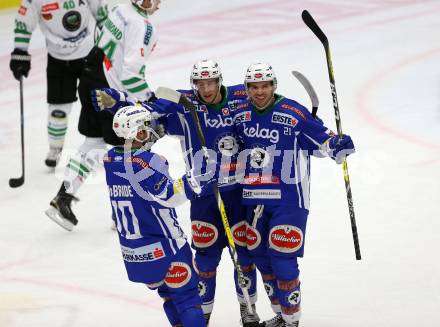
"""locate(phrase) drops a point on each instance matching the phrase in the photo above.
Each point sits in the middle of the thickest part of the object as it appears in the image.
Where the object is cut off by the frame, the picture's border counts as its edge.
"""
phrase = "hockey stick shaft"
(179, 98)
(311, 23)
(309, 89)
(16, 182)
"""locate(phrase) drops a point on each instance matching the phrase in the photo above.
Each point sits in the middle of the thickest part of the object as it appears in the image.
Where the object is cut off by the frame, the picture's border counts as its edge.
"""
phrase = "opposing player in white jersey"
(118, 60)
(68, 27)
(143, 197)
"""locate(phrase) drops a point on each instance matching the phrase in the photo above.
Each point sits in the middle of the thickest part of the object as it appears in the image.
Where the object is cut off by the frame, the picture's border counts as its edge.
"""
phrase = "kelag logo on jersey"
(243, 117)
(262, 133)
(284, 119)
(218, 122)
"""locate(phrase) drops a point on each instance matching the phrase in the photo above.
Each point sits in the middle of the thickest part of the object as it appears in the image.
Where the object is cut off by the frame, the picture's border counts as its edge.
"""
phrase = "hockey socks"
(250, 275)
(57, 124)
(207, 284)
(83, 163)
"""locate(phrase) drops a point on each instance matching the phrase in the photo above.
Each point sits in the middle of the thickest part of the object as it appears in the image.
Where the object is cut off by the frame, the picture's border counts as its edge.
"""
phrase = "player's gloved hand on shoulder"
(20, 63)
(108, 98)
(341, 147)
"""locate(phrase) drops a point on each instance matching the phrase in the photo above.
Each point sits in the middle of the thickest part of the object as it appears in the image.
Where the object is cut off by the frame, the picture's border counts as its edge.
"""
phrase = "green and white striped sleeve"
(26, 20)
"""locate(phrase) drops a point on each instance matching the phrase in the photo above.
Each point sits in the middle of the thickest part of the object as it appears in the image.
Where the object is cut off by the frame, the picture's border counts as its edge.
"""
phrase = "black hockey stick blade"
(16, 182)
(311, 23)
(310, 90)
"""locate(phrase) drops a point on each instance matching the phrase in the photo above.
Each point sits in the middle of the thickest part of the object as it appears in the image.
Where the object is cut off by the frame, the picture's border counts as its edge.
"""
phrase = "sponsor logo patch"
(239, 233)
(262, 133)
(261, 194)
(259, 158)
(294, 298)
(284, 119)
(228, 145)
(50, 7)
(178, 275)
(22, 10)
(258, 180)
(218, 122)
(286, 238)
(141, 162)
(268, 288)
(242, 117)
(291, 108)
(203, 234)
(253, 237)
(146, 253)
(202, 288)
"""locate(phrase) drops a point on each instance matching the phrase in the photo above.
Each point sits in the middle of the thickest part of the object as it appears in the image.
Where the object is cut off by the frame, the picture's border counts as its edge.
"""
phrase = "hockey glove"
(20, 63)
(199, 183)
(341, 147)
(108, 98)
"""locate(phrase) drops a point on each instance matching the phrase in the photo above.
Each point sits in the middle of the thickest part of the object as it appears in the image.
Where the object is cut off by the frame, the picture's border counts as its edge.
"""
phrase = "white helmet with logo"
(205, 69)
(128, 121)
(260, 72)
(150, 10)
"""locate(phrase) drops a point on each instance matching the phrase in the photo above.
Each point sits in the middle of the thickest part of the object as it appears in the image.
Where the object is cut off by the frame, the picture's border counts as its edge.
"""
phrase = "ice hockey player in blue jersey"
(279, 135)
(143, 197)
(216, 105)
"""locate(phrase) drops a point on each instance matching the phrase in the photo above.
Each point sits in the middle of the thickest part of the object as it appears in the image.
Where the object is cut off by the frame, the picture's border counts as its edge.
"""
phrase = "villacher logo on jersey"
(239, 233)
(204, 234)
(178, 275)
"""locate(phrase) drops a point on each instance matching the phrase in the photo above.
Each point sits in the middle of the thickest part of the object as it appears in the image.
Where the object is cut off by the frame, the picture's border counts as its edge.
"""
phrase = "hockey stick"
(176, 97)
(310, 90)
(16, 182)
(310, 22)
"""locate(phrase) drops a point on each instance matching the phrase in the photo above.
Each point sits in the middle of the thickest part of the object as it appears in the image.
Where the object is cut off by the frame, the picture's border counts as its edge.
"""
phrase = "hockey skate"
(207, 316)
(53, 157)
(61, 212)
(249, 319)
(278, 321)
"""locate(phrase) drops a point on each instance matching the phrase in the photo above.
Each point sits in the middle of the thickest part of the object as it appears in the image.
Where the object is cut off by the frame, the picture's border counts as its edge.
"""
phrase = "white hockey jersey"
(68, 25)
(127, 39)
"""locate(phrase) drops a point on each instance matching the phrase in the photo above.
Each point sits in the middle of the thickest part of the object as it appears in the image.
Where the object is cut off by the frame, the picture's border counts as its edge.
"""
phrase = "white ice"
(386, 57)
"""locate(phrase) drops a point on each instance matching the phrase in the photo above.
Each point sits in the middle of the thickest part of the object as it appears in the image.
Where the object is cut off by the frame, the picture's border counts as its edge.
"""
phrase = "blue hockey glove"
(341, 148)
(108, 99)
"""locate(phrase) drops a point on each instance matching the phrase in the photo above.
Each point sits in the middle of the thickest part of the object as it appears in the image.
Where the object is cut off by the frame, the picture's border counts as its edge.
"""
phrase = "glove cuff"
(21, 57)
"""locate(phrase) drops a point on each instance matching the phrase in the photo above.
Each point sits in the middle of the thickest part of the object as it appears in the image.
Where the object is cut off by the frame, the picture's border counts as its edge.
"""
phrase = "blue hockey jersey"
(277, 146)
(143, 197)
(217, 124)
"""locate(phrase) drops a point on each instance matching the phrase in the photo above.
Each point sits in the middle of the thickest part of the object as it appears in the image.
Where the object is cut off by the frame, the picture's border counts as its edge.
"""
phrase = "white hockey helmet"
(150, 10)
(260, 72)
(128, 121)
(206, 69)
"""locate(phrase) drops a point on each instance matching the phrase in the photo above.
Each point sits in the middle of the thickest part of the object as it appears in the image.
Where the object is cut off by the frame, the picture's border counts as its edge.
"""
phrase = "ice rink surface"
(386, 57)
